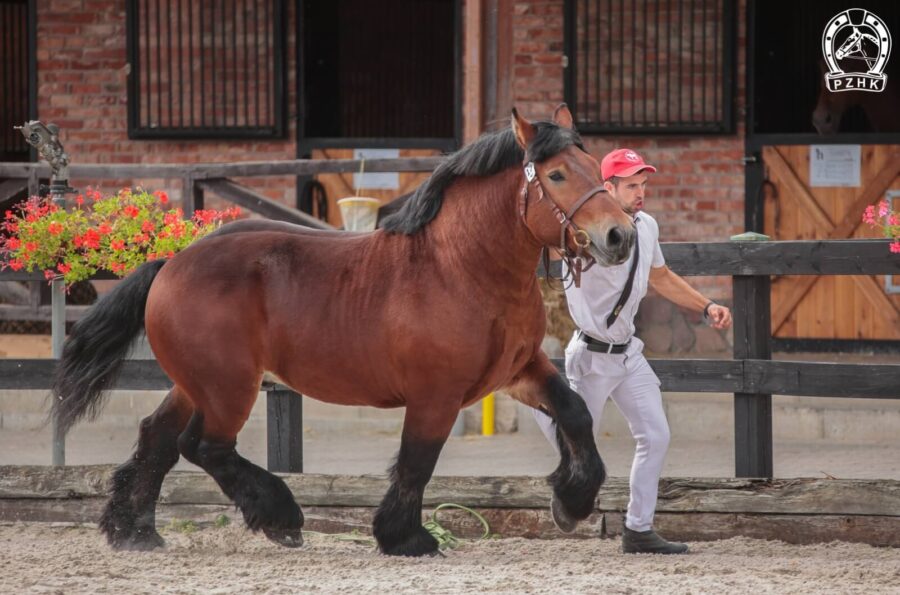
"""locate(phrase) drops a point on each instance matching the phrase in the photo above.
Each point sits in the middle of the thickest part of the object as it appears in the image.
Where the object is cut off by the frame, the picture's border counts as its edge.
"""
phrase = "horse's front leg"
(398, 520)
(580, 473)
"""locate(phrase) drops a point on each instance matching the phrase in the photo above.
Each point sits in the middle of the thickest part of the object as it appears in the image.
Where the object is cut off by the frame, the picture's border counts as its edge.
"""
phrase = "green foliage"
(186, 527)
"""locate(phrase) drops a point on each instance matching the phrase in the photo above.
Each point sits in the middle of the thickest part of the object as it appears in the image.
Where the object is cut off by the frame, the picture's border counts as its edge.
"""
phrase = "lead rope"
(445, 538)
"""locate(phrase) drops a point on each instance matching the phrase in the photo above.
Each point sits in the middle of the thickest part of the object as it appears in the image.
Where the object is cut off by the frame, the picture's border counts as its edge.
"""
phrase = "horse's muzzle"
(612, 246)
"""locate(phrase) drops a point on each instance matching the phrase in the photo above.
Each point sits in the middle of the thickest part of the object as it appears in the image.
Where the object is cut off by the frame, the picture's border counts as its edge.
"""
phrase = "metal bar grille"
(13, 78)
(404, 90)
(659, 66)
(206, 69)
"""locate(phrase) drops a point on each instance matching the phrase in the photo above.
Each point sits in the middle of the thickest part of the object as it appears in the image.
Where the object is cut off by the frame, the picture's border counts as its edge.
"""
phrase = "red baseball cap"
(623, 163)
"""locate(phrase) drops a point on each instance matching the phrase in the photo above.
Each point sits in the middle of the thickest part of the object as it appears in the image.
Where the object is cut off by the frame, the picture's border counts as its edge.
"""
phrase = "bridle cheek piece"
(579, 260)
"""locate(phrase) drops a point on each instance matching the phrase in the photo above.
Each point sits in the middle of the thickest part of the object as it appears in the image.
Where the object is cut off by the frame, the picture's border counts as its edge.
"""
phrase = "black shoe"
(648, 542)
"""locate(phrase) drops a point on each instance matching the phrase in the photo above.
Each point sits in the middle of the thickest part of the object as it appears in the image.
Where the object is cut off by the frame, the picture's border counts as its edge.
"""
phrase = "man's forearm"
(677, 290)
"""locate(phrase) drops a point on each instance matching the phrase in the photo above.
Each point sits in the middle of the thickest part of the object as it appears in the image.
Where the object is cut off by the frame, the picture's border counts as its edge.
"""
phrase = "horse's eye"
(557, 176)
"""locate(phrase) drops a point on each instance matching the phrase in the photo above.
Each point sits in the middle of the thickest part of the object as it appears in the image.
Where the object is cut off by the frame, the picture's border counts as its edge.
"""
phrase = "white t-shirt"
(601, 288)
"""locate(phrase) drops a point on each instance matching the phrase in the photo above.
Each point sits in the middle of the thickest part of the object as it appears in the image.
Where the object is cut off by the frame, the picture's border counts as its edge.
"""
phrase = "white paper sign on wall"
(834, 165)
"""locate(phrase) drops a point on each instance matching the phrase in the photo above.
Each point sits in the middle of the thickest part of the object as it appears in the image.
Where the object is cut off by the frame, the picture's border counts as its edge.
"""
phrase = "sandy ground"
(75, 559)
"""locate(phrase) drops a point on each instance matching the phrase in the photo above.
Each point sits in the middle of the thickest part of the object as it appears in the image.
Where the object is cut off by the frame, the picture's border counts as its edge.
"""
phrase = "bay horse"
(432, 311)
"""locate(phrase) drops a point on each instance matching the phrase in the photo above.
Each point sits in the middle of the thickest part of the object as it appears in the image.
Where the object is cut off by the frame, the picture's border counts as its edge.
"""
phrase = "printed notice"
(381, 181)
(834, 165)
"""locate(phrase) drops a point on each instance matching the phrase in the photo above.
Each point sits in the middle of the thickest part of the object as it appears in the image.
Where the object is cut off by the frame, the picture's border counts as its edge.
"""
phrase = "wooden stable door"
(829, 307)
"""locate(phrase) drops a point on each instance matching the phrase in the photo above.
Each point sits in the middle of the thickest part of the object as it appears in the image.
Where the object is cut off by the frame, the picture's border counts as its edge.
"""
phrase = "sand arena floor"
(42, 558)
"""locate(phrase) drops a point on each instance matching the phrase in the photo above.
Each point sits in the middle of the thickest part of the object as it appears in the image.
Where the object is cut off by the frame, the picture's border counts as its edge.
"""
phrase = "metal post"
(284, 431)
(46, 140)
(57, 336)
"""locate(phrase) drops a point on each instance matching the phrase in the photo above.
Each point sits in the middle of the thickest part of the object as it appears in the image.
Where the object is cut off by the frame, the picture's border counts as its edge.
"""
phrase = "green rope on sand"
(446, 539)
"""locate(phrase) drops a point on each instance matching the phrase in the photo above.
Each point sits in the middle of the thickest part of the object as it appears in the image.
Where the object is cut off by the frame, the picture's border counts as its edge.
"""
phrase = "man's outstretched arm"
(677, 290)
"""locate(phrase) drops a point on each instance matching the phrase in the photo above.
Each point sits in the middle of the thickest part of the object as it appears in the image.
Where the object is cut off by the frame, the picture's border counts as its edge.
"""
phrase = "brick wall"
(81, 85)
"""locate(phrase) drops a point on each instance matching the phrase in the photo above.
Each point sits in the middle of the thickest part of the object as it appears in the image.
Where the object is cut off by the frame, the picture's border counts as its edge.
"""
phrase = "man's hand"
(719, 317)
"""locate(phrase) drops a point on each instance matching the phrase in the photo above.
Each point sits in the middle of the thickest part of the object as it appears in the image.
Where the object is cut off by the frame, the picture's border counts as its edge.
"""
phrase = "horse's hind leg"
(398, 520)
(130, 515)
(263, 498)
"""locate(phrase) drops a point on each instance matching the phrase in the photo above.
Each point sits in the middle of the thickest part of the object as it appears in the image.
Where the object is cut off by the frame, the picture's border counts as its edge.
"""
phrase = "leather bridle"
(579, 260)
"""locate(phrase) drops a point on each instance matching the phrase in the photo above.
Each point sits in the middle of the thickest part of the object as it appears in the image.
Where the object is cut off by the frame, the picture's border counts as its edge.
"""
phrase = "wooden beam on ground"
(806, 496)
(695, 509)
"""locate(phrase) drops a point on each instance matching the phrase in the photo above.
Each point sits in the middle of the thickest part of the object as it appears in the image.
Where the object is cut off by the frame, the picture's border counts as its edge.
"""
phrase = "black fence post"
(284, 431)
(752, 412)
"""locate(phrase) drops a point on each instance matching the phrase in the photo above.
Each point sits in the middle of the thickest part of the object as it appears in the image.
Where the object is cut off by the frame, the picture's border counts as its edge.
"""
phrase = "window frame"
(728, 70)
(278, 128)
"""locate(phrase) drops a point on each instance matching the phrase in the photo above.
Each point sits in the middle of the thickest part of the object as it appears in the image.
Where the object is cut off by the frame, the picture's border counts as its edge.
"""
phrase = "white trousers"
(634, 388)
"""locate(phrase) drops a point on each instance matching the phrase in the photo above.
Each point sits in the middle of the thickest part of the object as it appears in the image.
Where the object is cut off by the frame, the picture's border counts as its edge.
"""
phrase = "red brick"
(548, 58)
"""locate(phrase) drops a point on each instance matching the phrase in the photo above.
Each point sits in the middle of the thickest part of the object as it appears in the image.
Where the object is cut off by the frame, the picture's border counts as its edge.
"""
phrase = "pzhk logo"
(856, 53)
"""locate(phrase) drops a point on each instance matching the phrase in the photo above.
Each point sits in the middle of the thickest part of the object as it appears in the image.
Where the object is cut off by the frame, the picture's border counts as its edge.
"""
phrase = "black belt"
(602, 347)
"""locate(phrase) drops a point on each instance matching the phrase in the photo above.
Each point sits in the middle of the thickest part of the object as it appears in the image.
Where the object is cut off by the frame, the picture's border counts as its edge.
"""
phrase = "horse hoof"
(420, 543)
(561, 518)
(285, 537)
(139, 541)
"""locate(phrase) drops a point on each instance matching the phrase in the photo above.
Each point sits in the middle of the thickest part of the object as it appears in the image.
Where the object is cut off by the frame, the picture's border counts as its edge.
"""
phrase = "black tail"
(93, 353)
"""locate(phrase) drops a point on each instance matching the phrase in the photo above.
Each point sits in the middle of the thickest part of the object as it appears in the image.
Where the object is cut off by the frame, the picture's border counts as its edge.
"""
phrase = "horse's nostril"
(615, 237)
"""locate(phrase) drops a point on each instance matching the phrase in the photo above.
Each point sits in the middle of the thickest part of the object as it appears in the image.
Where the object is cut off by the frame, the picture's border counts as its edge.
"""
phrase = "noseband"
(579, 260)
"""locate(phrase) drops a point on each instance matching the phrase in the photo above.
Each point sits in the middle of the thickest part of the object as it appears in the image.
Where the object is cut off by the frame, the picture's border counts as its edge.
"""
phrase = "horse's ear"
(523, 129)
(563, 116)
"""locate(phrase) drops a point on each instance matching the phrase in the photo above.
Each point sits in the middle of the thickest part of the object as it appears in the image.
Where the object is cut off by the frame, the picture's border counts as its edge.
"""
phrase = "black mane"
(490, 153)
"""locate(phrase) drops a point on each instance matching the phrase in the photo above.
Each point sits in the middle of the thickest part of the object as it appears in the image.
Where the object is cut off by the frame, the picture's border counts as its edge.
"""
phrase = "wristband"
(706, 309)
